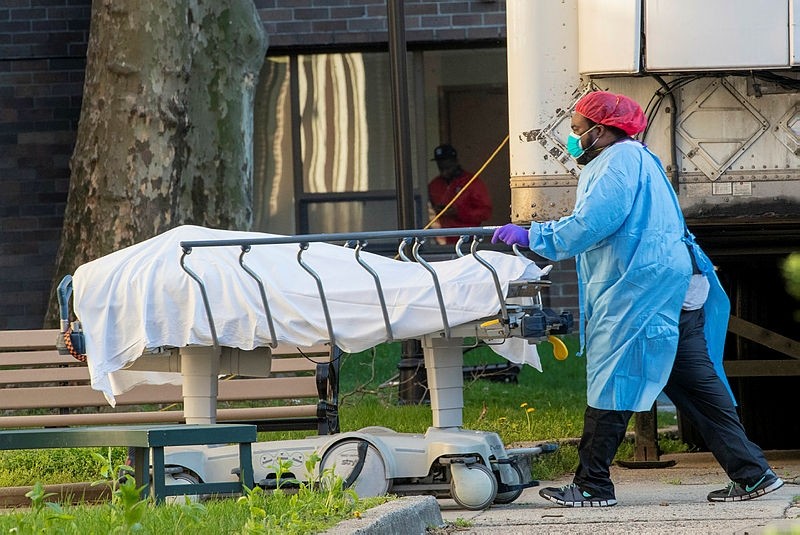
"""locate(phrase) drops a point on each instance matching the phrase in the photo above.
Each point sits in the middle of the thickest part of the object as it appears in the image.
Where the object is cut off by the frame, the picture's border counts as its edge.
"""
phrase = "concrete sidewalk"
(651, 501)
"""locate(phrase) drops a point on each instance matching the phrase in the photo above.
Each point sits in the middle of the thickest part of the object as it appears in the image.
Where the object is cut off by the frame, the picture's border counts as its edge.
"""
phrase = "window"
(332, 169)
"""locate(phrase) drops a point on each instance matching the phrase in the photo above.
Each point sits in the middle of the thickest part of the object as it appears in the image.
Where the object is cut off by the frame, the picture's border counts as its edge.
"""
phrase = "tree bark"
(166, 126)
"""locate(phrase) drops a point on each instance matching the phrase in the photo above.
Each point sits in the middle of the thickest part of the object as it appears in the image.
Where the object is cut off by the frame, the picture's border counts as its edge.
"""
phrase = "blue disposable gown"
(630, 242)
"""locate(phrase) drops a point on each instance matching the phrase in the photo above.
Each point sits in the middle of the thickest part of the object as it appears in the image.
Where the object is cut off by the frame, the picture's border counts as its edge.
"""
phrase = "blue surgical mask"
(574, 147)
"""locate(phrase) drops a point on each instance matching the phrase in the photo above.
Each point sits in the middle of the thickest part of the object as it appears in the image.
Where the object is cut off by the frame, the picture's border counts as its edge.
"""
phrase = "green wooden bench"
(41, 388)
(148, 443)
(46, 401)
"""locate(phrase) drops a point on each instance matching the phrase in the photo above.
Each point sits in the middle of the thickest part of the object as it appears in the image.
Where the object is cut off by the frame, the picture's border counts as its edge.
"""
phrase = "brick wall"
(310, 23)
(42, 59)
(563, 295)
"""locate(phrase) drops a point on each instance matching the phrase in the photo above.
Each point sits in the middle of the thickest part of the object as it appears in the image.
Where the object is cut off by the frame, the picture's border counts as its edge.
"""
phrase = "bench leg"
(159, 485)
(646, 440)
(141, 469)
(246, 465)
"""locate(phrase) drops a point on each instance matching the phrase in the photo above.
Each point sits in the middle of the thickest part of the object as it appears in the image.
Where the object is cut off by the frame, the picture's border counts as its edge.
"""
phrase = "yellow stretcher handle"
(560, 351)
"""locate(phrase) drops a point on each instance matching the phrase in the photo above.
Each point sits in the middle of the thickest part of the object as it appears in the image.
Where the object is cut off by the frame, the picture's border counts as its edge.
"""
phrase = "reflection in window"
(273, 174)
(345, 134)
(333, 123)
(334, 135)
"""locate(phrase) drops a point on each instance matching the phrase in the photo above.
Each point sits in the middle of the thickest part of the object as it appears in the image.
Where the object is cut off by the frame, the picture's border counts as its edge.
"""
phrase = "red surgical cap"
(610, 109)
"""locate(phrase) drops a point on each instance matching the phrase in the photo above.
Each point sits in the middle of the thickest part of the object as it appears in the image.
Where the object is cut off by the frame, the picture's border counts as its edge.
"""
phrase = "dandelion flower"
(523, 405)
(530, 409)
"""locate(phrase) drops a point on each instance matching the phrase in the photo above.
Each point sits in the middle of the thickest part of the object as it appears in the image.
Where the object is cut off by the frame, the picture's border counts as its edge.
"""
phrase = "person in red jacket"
(473, 205)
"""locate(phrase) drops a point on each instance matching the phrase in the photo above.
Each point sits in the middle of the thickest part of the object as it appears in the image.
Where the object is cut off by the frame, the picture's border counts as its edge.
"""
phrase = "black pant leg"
(697, 391)
(603, 432)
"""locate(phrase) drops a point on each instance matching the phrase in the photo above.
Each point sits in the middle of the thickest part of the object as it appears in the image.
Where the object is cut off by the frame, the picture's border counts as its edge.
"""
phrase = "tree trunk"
(165, 133)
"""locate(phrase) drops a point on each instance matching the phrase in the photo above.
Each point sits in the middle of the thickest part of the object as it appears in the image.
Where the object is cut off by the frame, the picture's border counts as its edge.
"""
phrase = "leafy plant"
(45, 514)
(528, 411)
(313, 508)
(791, 272)
(38, 496)
(282, 467)
(253, 499)
(126, 501)
(128, 504)
(312, 462)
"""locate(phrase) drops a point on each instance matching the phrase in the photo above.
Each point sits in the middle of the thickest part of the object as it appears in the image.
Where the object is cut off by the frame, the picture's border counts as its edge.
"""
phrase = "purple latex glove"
(511, 234)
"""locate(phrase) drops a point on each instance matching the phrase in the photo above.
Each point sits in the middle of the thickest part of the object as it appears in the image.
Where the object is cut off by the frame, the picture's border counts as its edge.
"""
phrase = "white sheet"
(140, 298)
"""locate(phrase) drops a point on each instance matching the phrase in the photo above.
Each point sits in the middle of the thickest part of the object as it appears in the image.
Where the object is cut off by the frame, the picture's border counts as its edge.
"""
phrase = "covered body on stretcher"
(143, 298)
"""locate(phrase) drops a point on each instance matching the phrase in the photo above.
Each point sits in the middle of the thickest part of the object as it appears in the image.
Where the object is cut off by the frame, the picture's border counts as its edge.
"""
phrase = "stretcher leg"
(444, 363)
(199, 371)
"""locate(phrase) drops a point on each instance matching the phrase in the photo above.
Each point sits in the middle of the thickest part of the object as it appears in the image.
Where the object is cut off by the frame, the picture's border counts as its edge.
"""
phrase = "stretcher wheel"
(473, 486)
(181, 478)
(360, 464)
(515, 478)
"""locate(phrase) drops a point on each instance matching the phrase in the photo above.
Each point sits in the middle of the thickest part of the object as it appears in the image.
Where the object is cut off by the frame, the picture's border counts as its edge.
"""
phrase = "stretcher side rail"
(148, 443)
(41, 388)
(356, 240)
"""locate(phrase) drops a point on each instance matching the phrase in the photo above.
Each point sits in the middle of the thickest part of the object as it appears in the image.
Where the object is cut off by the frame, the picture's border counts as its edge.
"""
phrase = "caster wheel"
(344, 457)
(473, 487)
(515, 478)
(181, 478)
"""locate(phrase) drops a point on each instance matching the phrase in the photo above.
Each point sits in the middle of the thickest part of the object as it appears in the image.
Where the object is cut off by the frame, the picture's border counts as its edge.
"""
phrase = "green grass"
(557, 396)
(539, 406)
(308, 510)
(26, 467)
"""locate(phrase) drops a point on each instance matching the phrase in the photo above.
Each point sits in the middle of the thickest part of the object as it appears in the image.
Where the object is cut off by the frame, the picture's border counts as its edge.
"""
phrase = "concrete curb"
(409, 515)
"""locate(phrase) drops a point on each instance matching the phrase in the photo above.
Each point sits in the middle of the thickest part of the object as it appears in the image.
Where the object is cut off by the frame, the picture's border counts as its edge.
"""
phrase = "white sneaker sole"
(775, 485)
(582, 503)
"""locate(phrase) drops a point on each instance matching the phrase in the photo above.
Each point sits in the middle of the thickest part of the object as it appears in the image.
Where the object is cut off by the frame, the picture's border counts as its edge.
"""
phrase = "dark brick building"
(457, 73)
(42, 59)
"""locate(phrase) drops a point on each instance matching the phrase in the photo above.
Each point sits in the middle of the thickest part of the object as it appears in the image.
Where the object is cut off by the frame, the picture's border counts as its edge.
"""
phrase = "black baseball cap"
(444, 152)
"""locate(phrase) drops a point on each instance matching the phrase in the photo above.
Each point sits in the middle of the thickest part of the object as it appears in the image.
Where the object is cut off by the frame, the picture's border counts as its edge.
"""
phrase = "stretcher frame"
(441, 348)
(472, 467)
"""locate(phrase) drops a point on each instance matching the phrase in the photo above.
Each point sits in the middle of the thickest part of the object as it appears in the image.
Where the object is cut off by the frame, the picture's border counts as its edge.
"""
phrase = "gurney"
(195, 294)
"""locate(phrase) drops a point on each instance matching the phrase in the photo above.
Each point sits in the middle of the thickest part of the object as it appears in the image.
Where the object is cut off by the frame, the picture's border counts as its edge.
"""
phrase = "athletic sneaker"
(736, 492)
(572, 496)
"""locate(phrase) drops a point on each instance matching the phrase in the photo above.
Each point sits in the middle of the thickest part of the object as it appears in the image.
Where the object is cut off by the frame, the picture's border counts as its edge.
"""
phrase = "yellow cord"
(471, 180)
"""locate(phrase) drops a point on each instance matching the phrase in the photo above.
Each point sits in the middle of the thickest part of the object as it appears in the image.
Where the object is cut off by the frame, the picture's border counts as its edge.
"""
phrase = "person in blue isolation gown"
(653, 313)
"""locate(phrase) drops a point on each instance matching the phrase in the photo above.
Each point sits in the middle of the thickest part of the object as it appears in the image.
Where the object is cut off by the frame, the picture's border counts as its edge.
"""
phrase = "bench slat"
(52, 357)
(84, 396)
(40, 357)
(28, 340)
(43, 375)
(46, 339)
(156, 417)
(295, 364)
(33, 375)
(79, 372)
